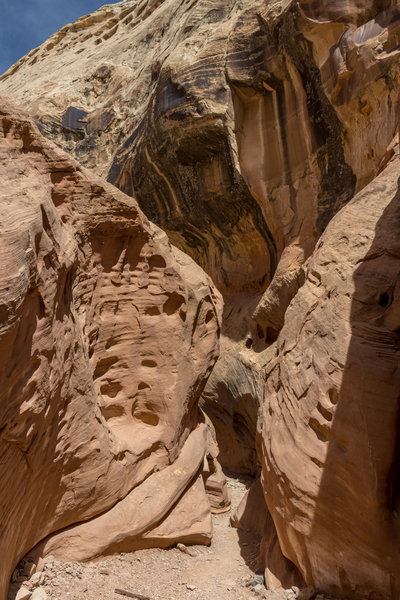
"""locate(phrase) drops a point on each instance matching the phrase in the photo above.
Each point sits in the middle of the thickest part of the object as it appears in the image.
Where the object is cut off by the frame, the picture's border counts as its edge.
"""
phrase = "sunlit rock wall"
(107, 337)
(241, 128)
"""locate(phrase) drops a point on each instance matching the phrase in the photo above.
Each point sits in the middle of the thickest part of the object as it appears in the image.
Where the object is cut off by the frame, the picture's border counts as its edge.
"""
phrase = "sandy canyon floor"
(224, 570)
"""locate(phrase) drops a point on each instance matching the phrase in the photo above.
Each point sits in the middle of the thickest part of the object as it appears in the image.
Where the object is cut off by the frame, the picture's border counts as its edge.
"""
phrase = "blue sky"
(25, 24)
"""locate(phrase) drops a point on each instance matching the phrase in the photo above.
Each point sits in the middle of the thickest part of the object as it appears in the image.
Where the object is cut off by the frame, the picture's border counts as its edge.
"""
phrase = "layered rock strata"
(107, 337)
(242, 128)
(330, 424)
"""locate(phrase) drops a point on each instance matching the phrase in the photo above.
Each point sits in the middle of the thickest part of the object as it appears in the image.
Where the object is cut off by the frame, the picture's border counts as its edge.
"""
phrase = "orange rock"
(213, 476)
(252, 512)
(330, 423)
(107, 337)
(241, 130)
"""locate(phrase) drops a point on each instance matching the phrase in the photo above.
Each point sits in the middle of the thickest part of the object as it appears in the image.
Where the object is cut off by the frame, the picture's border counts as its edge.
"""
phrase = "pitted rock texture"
(330, 426)
(241, 127)
(107, 337)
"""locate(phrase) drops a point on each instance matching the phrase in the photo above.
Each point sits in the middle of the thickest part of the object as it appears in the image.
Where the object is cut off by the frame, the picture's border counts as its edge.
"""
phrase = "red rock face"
(241, 128)
(330, 430)
(107, 337)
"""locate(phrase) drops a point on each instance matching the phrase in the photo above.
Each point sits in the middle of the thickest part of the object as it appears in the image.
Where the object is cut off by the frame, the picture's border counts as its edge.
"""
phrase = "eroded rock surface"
(107, 337)
(330, 428)
(242, 128)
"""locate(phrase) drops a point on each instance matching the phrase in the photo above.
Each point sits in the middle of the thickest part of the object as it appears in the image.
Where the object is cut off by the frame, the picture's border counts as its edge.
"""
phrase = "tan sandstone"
(330, 422)
(241, 128)
(107, 337)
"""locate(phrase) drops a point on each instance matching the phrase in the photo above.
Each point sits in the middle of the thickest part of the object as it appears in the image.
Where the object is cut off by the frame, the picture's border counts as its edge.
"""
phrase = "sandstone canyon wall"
(107, 337)
(242, 128)
(330, 423)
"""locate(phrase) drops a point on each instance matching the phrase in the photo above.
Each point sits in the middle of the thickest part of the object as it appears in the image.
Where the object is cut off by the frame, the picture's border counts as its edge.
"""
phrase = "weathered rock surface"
(213, 476)
(107, 336)
(234, 125)
(242, 128)
(252, 512)
(330, 430)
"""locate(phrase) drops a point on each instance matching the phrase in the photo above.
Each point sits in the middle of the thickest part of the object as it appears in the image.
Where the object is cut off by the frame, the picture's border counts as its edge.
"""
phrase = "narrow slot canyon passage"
(200, 304)
(225, 569)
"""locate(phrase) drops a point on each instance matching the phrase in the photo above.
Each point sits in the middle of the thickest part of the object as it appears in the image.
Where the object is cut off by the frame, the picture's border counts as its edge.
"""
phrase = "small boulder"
(256, 580)
(23, 593)
(186, 550)
(37, 578)
(39, 594)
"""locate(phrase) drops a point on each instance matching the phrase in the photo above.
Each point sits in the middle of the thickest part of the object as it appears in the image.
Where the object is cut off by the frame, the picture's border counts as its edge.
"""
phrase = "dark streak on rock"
(338, 180)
